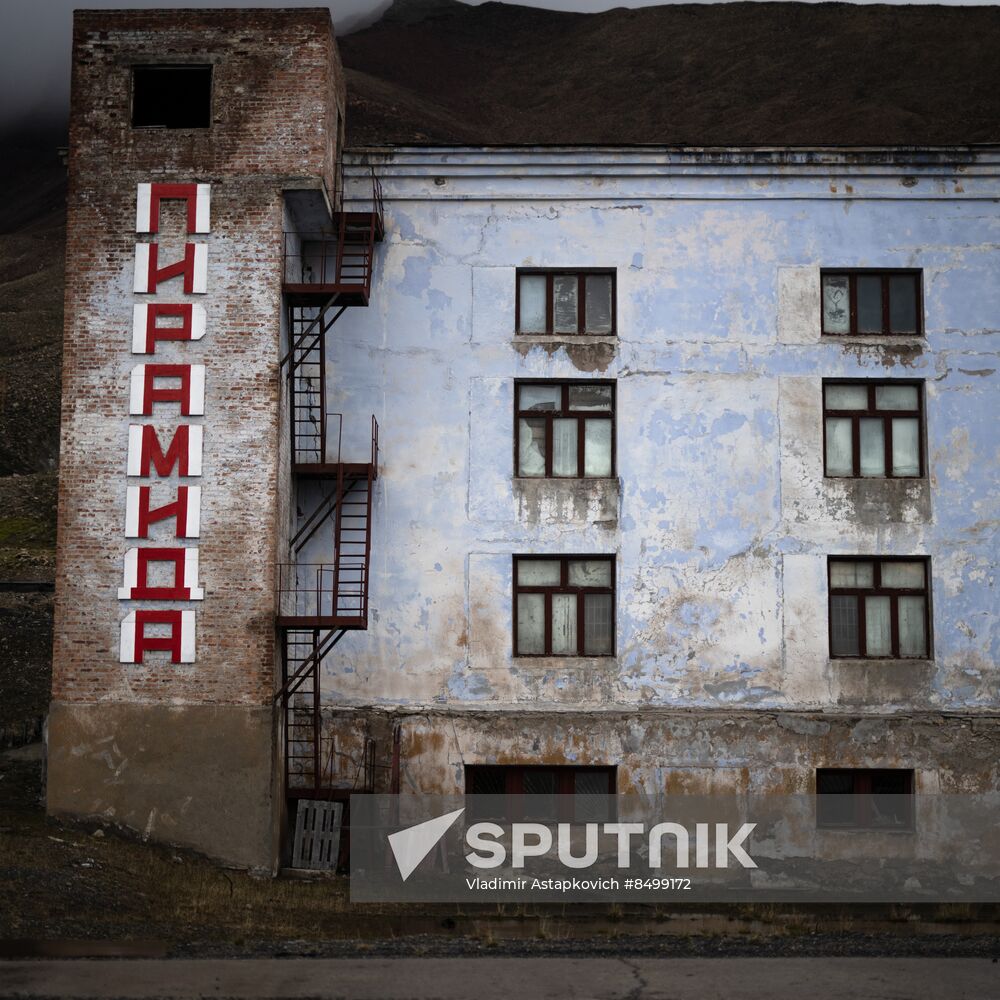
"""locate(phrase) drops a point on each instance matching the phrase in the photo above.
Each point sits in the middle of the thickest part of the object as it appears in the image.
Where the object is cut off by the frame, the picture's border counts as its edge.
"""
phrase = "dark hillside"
(703, 75)
(32, 238)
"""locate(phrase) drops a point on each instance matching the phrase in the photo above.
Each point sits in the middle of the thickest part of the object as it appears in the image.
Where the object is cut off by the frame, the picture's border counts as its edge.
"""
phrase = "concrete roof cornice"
(541, 173)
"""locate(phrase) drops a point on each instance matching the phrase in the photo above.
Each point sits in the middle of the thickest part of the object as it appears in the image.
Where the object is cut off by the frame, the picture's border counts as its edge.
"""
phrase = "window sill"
(876, 479)
(522, 480)
(875, 339)
(921, 662)
(562, 662)
(580, 339)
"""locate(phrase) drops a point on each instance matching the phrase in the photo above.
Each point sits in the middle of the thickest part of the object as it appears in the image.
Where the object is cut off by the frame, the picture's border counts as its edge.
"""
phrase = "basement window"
(566, 302)
(879, 607)
(175, 96)
(872, 303)
(862, 799)
(873, 429)
(564, 606)
(542, 793)
(564, 430)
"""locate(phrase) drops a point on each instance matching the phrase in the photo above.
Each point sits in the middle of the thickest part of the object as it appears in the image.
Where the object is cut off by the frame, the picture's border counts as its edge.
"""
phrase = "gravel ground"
(74, 891)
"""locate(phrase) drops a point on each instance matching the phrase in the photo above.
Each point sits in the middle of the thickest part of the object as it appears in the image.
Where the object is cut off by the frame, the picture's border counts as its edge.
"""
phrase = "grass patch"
(26, 532)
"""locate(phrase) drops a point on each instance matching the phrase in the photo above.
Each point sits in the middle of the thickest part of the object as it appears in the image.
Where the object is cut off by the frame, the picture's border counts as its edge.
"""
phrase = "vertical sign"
(165, 569)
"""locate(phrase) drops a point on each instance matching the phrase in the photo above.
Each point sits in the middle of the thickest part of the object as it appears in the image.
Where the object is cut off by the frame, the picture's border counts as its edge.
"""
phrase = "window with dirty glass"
(564, 430)
(543, 793)
(873, 429)
(172, 96)
(872, 302)
(879, 608)
(564, 606)
(570, 302)
(865, 799)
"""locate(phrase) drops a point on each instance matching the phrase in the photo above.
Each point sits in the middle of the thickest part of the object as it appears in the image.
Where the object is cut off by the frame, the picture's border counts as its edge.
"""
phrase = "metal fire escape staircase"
(319, 602)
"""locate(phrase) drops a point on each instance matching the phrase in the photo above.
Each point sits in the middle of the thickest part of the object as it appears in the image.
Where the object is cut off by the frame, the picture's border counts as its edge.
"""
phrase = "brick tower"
(195, 136)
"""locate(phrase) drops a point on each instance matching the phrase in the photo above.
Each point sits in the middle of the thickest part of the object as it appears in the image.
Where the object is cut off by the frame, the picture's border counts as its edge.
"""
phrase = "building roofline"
(535, 157)
(646, 173)
(651, 147)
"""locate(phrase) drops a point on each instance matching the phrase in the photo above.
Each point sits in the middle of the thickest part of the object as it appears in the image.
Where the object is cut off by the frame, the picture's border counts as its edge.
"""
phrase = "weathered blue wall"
(721, 520)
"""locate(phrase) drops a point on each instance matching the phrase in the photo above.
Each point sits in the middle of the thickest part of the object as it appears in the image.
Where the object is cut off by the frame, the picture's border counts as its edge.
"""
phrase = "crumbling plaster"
(720, 518)
(675, 751)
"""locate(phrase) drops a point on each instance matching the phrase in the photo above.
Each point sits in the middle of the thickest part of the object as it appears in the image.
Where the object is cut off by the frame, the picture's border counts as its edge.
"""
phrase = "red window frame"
(872, 413)
(564, 587)
(885, 274)
(864, 782)
(581, 300)
(877, 590)
(565, 412)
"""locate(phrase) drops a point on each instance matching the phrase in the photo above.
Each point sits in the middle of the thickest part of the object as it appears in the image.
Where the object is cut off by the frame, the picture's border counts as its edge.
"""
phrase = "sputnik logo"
(535, 840)
(412, 845)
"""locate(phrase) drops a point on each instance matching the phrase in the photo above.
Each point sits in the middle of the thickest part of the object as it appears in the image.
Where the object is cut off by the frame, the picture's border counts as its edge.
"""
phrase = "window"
(873, 429)
(872, 302)
(864, 799)
(538, 792)
(571, 302)
(178, 96)
(564, 430)
(564, 606)
(878, 607)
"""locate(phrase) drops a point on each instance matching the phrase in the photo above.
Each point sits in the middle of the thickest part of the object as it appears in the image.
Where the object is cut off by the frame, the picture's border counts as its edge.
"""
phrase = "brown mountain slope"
(723, 74)
(32, 240)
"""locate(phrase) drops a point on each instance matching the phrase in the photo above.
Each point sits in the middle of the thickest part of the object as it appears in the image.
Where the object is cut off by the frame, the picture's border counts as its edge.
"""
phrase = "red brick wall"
(277, 88)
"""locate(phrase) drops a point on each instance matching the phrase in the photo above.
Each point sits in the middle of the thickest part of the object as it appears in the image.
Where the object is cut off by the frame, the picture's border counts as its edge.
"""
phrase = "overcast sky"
(35, 42)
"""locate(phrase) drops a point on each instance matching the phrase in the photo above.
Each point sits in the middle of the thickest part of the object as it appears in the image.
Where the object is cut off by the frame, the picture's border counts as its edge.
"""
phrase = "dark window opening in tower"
(171, 96)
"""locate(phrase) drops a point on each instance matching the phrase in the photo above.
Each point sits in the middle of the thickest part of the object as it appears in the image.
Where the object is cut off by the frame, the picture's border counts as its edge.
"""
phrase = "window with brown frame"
(564, 606)
(873, 429)
(879, 608)
(544, 793)
(571, 302)
(564, 430)
(872, 302)
(864, 799)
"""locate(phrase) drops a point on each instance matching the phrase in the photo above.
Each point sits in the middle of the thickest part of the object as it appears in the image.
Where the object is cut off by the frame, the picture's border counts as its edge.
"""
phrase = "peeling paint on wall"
(719, 517)
(719, 363)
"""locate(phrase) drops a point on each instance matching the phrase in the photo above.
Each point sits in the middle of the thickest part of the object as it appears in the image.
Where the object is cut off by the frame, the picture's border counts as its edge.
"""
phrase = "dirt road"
(501, 978)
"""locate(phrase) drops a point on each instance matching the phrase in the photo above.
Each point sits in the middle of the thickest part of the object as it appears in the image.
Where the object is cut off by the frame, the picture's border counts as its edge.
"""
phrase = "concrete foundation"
(194, 776)
(690, 752)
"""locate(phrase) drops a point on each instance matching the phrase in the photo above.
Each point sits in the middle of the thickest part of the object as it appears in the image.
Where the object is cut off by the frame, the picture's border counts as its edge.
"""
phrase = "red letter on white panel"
(149, 196)
(184, 586)
(184, 451)
(193, 266)
(185, 510)
(147, 330)
(190, 393)
(179, 641)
